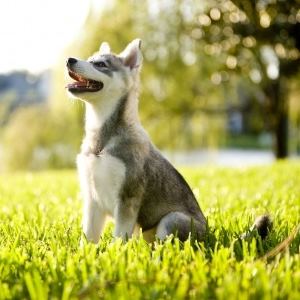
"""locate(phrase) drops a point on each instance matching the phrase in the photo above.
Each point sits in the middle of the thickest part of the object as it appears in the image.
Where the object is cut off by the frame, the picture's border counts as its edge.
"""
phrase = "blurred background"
(220, 82)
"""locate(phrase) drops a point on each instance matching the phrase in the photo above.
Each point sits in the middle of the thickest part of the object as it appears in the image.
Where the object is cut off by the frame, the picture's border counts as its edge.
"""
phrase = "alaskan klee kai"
(121, 172)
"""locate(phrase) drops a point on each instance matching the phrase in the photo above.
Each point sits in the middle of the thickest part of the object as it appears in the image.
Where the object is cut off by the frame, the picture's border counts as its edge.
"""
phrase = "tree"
(262, 39)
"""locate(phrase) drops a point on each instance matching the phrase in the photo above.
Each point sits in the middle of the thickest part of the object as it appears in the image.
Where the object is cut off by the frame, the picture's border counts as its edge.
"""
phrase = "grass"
(40, 257)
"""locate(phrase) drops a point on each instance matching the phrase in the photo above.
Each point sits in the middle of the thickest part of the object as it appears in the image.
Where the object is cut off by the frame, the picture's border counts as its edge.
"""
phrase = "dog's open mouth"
(82, 84)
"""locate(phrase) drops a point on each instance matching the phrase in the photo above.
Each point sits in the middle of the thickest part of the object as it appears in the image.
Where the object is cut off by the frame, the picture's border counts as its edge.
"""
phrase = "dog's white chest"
(101, 178)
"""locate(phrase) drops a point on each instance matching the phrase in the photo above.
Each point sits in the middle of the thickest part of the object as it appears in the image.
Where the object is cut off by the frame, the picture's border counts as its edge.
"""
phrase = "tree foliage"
(259, 39)
(35, 138)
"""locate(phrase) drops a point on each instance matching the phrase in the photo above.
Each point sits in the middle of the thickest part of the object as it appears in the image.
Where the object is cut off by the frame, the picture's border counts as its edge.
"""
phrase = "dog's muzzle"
(81, 84)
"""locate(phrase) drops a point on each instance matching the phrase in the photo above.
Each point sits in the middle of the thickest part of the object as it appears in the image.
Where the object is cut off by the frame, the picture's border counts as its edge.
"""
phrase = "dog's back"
(165, 191)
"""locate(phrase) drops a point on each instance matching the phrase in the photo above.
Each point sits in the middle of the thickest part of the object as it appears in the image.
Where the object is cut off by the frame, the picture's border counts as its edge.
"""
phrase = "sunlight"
(33, 32)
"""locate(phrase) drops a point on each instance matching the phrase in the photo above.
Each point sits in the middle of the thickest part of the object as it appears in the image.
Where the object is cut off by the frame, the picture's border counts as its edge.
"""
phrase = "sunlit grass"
(40, 232)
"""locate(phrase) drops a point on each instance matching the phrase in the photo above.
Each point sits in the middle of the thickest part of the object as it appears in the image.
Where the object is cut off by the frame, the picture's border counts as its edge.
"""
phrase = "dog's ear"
(104, 48)
(132, 55)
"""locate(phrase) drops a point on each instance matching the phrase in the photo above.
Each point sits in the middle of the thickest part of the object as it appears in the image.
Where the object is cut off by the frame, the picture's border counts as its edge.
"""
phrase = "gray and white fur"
(121, 172)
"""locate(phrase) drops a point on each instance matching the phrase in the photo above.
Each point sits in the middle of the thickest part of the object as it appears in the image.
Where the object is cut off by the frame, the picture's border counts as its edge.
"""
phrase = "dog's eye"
(100, 64)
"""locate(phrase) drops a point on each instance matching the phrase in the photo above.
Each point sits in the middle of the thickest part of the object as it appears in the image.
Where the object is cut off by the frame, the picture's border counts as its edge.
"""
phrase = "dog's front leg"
(93, 220)
(125, 215)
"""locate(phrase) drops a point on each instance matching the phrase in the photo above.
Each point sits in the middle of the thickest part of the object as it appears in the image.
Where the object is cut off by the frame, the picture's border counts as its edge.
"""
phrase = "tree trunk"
(281, 118)
(298, 134)
(281, 134)
(277, 94)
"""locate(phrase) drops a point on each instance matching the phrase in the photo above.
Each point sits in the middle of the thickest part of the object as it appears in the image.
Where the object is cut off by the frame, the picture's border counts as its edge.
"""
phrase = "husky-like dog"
(121, 172)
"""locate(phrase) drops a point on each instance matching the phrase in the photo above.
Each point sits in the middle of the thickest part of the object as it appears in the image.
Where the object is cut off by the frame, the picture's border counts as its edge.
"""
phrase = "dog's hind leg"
(181, 225)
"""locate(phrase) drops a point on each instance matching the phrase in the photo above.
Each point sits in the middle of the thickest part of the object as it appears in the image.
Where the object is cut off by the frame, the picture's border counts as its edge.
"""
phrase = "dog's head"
(105, 75)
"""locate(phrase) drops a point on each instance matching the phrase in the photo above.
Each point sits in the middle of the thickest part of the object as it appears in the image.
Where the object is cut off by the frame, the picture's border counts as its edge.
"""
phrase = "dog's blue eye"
(100, 64)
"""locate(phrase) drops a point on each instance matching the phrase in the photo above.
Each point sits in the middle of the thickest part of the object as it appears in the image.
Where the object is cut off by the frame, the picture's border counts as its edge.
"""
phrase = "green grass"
(40, 231)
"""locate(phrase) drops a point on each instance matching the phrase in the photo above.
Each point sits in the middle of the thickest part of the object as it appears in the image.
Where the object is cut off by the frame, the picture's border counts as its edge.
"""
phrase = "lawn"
(40, 257)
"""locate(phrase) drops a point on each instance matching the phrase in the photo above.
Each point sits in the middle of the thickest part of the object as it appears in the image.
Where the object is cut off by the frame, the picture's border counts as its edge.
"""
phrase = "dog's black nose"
(71, 61)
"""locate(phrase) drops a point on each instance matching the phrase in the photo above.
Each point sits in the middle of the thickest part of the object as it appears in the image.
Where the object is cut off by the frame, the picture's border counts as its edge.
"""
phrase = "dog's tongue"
(76, 84)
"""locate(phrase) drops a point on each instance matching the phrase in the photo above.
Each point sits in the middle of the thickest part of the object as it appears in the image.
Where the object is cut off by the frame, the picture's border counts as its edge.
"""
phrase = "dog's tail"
(262, 224)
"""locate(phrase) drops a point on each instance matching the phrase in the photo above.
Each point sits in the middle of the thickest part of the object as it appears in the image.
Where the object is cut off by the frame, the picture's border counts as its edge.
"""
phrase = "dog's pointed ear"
(132, 55)
(104, 48)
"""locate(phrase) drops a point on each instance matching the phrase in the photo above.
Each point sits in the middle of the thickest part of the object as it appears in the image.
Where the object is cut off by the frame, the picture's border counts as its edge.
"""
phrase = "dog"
(121, 173)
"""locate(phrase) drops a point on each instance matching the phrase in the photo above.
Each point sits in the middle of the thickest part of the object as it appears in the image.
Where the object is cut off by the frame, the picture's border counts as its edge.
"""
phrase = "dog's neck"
(103, 121)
